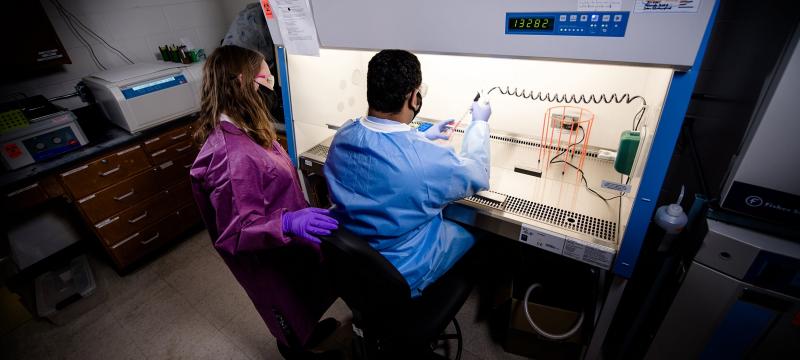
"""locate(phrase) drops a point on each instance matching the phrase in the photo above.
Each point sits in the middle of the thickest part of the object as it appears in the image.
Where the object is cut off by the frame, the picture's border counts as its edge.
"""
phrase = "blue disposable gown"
(389, 185)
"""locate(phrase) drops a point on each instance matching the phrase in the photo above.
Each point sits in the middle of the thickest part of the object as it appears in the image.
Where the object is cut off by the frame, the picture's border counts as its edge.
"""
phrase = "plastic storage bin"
(59, 288)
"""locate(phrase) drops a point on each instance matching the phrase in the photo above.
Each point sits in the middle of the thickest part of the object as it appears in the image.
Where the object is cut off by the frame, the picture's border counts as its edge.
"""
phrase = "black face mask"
(272, 99)
(267, 95)
(263, 90)
(419, 108)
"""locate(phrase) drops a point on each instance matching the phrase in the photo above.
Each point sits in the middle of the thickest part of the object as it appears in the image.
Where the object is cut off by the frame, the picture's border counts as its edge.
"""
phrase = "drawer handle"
(80, 168)
(122, 197)
(90, 197)
(187, 166)
(136, 219)
(109, 172)
(176, 137)
(157, 153)
(20, 191)
(105, 222)
(145, 242)
(123, 152)
(183, 148)
(129, 238)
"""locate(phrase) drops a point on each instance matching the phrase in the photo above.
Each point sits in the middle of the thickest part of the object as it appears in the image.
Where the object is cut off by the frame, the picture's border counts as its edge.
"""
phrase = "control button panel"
(606, 24)
(51, 143)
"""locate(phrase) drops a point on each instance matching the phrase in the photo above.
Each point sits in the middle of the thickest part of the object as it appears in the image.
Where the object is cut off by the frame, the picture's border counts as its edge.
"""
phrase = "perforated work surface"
(599, 228)
(320, 150)
(592, 226)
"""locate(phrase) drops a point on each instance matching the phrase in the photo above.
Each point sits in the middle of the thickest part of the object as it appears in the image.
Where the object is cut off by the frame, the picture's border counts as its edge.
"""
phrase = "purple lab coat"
(242, 190)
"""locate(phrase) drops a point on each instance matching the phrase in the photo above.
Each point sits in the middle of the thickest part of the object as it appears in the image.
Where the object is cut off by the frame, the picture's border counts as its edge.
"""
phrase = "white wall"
(231, 8)
(135, 27)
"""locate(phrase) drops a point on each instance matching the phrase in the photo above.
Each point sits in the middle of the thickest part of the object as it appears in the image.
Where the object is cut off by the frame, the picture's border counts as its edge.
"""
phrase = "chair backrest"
(369, 284)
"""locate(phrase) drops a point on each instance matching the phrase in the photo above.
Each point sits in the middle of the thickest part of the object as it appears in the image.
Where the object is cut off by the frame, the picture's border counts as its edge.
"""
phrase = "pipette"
(454, 127)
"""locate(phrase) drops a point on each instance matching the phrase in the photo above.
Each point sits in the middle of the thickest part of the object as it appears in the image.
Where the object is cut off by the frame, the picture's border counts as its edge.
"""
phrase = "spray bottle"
(672, 219)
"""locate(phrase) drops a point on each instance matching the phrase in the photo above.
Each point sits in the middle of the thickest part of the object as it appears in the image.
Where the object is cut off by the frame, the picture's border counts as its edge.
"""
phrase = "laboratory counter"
(103, 136)
(131, 190)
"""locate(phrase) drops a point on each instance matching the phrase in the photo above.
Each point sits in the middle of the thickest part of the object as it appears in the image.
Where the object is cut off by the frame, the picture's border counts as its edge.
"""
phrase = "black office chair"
(387, 322)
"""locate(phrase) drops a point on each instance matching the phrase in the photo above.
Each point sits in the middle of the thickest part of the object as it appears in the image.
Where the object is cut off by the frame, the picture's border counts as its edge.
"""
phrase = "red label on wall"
(267, 9)
(12, 150)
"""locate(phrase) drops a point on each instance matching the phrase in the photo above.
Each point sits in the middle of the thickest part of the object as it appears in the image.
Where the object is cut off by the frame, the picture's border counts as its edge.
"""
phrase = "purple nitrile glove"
(438, 131)
(481, 110)
(308, 222)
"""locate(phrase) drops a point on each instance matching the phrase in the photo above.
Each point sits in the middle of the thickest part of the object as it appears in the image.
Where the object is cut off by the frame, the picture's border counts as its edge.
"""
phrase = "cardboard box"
(522, 339)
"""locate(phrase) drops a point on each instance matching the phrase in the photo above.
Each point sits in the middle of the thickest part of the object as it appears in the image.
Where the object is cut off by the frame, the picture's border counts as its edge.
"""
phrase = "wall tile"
(140, 21)
(210, 37)
(82, 7)
(232, 8)
(171, 37)
(137, 49)
(194, 14)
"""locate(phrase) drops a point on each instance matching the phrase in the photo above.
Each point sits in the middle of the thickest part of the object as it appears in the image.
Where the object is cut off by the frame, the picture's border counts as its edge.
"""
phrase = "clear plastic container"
(59, 288)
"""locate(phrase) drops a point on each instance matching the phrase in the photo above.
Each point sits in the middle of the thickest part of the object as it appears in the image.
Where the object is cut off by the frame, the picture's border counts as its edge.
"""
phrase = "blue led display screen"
(153, 86)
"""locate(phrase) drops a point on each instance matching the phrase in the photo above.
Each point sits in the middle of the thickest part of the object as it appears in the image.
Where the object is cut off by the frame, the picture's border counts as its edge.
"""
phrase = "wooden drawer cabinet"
(135, 218)
(155, 236)
(136, 199)
(29, 195)
(180, 193)
(24, 197)
(139, 216)
(172, 152)
(169, 138)
(113, 199)
(176, 170)
(105, 171)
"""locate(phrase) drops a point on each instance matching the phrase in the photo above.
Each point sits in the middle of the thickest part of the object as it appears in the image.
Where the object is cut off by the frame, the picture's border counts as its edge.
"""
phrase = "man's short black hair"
(392, 74)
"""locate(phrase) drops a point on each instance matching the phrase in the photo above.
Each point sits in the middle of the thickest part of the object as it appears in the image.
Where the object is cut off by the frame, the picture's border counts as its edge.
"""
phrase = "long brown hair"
(225, 91)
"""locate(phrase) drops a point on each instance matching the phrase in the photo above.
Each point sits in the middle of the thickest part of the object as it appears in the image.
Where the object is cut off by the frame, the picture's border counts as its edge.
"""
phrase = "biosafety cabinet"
(587, 97)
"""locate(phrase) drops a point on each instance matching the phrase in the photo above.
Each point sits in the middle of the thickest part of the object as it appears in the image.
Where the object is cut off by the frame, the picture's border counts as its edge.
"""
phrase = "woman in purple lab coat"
(250, 199)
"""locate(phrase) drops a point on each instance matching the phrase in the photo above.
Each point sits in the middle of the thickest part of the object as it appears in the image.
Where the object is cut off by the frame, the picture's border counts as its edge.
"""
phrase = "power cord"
(73, 29)
(583, 176)
(68, 14)
(640, 114)
(574, 329)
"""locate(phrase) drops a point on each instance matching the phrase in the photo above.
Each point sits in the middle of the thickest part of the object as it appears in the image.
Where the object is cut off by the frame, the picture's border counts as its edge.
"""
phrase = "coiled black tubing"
(569, 98)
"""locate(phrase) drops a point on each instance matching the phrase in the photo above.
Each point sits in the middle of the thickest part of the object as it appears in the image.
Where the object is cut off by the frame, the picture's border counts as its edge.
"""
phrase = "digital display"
(153, 86)
(530, 24)
(153, 83)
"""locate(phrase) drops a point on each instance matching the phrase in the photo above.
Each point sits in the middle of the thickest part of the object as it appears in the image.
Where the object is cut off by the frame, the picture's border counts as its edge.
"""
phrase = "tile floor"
(183, 305)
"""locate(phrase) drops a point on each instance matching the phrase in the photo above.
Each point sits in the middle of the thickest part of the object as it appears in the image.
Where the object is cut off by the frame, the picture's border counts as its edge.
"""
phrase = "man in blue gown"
(389, 183)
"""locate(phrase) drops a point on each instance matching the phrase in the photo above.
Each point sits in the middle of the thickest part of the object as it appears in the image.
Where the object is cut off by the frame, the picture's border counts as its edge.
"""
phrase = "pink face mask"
(269, 79)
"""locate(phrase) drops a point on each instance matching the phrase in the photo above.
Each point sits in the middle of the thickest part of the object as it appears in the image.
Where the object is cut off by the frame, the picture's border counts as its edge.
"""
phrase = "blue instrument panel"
(604, 23)
(153, 86)
(47, 145)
